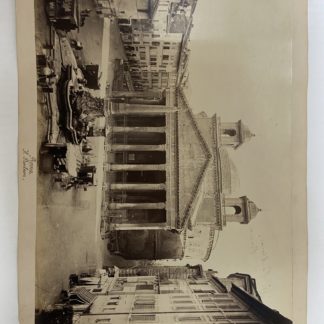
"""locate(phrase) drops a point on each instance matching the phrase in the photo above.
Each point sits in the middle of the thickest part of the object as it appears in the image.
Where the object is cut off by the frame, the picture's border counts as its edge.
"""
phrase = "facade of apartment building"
(156, 44)
(199, 298)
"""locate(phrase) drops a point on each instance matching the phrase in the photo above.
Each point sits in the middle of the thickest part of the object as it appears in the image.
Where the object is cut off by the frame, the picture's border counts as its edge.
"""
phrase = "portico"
(140, 156)
(170, 179)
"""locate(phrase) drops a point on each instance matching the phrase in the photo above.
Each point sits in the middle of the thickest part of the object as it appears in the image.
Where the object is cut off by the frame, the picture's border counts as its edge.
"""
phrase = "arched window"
(229, 132)
(238, 210)
(233, 210)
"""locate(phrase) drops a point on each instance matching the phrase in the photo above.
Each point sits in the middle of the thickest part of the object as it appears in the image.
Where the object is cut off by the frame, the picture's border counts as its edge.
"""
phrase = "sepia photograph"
(167, 157)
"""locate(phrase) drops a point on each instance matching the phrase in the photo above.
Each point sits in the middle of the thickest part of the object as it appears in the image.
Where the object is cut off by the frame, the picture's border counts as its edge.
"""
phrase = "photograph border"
(28, 156)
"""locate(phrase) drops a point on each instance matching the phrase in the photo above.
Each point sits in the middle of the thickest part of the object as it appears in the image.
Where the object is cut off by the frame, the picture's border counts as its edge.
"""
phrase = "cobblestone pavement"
(68, 239)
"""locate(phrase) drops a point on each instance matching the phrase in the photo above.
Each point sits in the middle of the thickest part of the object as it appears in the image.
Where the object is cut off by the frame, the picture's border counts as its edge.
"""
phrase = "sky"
(240, 68)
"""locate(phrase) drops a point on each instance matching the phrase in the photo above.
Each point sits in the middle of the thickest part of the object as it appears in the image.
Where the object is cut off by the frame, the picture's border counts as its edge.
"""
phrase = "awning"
(81, 295)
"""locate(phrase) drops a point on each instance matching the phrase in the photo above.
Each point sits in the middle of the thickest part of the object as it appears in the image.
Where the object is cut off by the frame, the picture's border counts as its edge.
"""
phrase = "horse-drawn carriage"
(70, 164)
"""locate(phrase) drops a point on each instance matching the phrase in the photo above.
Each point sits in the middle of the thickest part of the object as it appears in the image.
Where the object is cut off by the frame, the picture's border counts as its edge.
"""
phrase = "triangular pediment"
(194, 157)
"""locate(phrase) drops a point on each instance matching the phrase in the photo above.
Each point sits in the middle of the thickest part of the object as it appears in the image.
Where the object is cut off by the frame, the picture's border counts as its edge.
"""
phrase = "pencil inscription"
(28, 163)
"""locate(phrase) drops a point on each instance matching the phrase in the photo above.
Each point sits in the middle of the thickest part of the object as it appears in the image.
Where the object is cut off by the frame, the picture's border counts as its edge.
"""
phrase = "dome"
(202, 114)
(252, 209)
(229, 173)
(196, 242)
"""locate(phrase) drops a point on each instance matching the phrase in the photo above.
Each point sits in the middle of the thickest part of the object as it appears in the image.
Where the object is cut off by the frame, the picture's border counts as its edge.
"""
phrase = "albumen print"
(162, 161)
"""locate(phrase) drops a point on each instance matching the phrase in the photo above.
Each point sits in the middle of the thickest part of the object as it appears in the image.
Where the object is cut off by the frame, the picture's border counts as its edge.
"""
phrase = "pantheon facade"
(169, 178)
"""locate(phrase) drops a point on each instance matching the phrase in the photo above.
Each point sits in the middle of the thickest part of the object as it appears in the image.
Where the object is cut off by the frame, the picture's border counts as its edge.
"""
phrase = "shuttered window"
(144, 287)
(142, 318)
(184, 308)
(190, 319)
(183, 302)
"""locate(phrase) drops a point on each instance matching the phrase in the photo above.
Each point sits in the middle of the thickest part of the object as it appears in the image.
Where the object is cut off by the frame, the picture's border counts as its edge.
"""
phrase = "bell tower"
(234, 134)
(240, 210)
